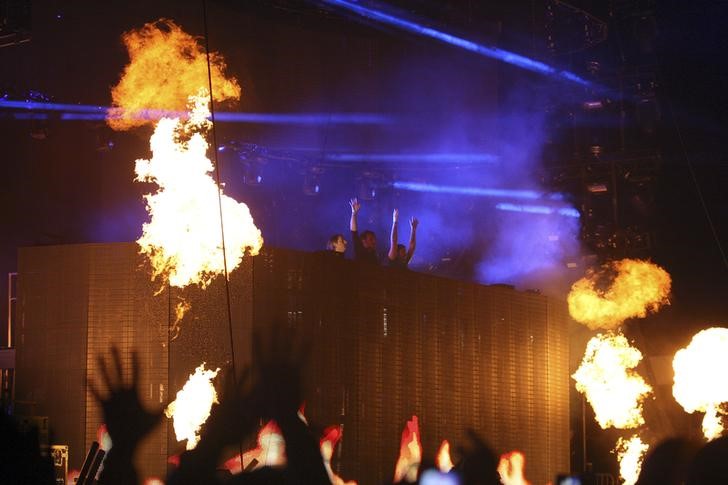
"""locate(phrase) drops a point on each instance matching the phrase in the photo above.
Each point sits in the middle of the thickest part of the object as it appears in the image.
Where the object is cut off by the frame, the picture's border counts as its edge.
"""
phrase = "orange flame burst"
(511, 469)
(636, 288)
(166, 66)
(443, 461)
(270, 451)
(630, 454)
(699, 384)
(331, 437)
(182, 239)
(410, 453)
(191, 408)
(607, 379)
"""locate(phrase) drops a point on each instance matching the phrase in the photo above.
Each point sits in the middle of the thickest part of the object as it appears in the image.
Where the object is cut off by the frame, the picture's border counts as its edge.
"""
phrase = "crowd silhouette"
(273, 391)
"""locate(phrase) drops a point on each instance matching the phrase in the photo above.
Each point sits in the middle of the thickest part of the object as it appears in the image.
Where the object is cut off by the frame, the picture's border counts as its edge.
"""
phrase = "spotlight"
(597, 188)
(312, 181)
(367, 186)
(252, 173)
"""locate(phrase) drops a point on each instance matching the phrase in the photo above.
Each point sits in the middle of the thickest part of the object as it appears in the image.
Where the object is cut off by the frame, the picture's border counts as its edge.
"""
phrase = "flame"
(636, 288)
(699, 384)
(166, 65)
(511, 468)
(182, 239)
(630, 454)
(606, 376)
(153, 481)
(192, 407)
(270, 451)
(410, 453)
(331, 437)
(443, 460)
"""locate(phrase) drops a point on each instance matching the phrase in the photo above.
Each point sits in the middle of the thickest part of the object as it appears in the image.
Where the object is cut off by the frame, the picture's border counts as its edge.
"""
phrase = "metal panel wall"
(388, 344)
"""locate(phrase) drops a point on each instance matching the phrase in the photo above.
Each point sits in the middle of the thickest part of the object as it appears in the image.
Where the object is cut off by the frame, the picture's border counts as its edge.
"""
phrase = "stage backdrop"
(388, 344)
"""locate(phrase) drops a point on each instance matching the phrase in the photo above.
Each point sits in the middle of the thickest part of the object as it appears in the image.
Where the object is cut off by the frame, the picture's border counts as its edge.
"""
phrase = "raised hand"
(125, 417)
(413, 223)
(281, 357)
(234, 418)
(355, 205)
(395, 216)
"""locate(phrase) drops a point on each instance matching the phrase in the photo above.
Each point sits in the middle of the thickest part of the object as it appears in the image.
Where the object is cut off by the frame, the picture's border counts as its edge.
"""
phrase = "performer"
(399, 256)
(365, 246)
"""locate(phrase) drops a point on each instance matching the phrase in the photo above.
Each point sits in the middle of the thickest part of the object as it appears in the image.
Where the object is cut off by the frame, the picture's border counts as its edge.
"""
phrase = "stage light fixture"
(253, 173)
(312, 181)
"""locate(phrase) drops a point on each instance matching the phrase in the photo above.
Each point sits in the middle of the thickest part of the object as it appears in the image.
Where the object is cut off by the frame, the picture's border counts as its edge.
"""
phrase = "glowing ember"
(511, 469)
(179, 312)
(328, 443)
(611, 386)
(192, 407)
(699, 383)
(635, 288)
(270, 451)
(630, 454)
(72, 476)
(410, 453)
(182, 239)
(443, 460)
(166, 66)
(103, 438)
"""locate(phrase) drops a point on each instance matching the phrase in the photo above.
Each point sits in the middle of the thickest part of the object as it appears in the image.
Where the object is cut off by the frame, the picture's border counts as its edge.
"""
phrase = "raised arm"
(355, 206)
(413, 238)
(392, 255)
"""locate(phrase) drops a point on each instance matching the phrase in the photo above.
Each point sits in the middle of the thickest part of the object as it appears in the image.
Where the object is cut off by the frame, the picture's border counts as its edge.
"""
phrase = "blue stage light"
(377, 14)
(477, 191)
(30, 116)
(88, 112)
(412, 157)
(538, 209)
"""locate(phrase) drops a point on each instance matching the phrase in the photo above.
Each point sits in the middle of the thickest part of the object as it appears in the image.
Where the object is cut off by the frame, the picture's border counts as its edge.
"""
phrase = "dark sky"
(291, 57)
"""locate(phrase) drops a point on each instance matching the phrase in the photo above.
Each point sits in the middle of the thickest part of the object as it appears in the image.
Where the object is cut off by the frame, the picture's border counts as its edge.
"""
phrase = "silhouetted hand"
(125, 417)
(280, 359)
(234, 418)
(479, 463)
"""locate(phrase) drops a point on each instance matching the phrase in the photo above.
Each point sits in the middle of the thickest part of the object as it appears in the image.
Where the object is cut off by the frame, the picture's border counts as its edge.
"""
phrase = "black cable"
(219, 203)
(219, 193)
(694, 178)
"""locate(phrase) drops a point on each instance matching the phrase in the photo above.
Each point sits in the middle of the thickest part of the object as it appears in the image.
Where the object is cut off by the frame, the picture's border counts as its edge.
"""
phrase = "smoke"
(166, 66)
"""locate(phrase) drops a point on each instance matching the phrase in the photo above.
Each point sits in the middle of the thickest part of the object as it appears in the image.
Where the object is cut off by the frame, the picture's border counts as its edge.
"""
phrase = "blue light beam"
(492, 52)
(538, 209)
(412, 157)
(76, 112)
(477, 191)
